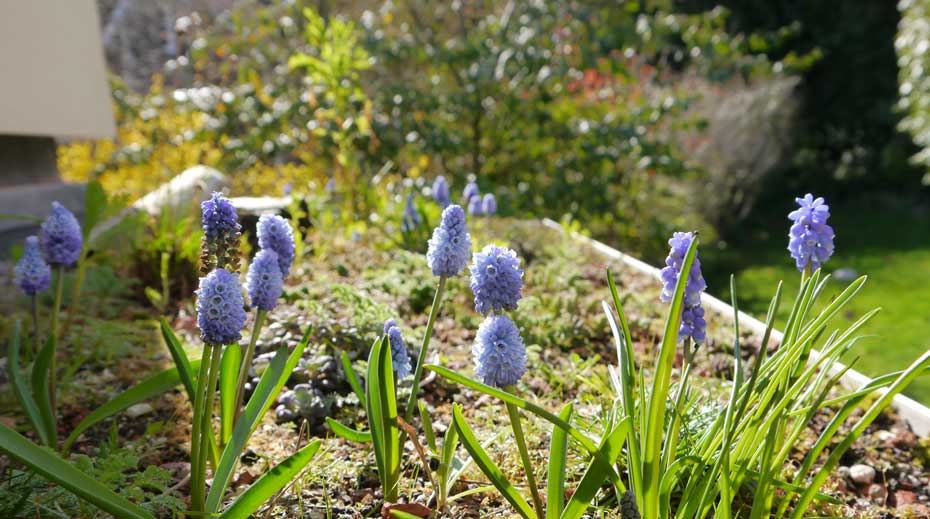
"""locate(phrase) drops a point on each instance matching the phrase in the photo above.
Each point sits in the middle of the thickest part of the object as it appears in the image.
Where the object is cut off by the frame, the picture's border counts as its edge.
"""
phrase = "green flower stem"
(35, 326)
(421, 358)
(198, 471)
(247, 363)
(53, 365)
(524, 454)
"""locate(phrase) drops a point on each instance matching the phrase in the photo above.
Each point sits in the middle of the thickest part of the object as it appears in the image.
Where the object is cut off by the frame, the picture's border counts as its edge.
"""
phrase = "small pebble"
(135, 411)
(861, 474)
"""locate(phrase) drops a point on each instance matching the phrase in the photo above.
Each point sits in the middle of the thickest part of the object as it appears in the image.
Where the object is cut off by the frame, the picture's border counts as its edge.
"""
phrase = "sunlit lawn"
(886, 239)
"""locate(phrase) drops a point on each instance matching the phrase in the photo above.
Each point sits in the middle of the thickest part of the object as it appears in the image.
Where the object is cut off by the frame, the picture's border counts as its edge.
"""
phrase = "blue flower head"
(500, 356)
(399, 358)
(488, 204)
(31, 274)
(450, 245)
(692, 318)
(220, 313)
(810, 239)
(470, 191)
(474, 206)
(274, 233)
(60, 237)
(221, 230)
(411, 218)
(264, 280)
(441, 191)
(496, 279)
(390, 323)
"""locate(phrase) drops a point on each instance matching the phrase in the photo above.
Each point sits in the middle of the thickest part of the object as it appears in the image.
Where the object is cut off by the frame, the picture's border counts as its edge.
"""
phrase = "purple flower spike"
(496, 279)
(692, 318)
(60, 237)
(488, 205)
(400, 360)
(471, 191)
(450, 245)
(390, 323)
(220, 313)
(499, 352)
(441, 192)
(411, 218)
(31, 274)
(264, 280)
(474, 206)
(810, 239)
(221, 231)
(275, 233)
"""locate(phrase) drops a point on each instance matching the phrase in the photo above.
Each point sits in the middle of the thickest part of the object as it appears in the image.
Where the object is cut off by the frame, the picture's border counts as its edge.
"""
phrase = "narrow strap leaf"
(271, 483)
(488, 467)
(22, 391)
(41, 375)
(348, 433)
(154, 385)
(558, 458)
(54, 468)
(352, 377)
(597, 473)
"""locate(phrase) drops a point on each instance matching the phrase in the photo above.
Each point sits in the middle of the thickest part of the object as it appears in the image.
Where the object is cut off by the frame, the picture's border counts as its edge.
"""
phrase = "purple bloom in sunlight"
(220, 313)
(275, 233)
(450, 245)
(220, 219)
(496, 279)
(31, 273)
(411, 218)
(692, 318)
(499, 352)
(471, 191)
(264, 280)
(60, 237)
(400, 360)
(810, 239)
(488, 204)
(474, 206)
(390, 323)
(441, 192)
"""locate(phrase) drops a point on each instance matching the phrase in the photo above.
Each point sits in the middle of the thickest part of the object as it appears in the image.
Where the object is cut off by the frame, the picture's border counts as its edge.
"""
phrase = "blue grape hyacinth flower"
(221, 231)
(488, 204)
(810, 239)
(411, 218)
(693, 325)
(275, 233)
(496, 279)
(470, 191)
(450, 246)
(474, 206)
(441, 192)
(220, 312)
(264, 281)
(400, 360)
(31, 273)
(499, 352)
(60, 237)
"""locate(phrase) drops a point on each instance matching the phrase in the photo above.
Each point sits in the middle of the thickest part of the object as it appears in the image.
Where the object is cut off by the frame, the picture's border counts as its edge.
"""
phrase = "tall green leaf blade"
(373, 398)
(347, 432)
(243, 429)
(389, 423)
(352, 377)
(229, 376)
(41, 373)
(270, 483)
(185, 370)
(154, 385)
(597, 473)
(558, 457)
(53, 468)
(488, 467)
(22, 391)
(427, 425)
(658, 396)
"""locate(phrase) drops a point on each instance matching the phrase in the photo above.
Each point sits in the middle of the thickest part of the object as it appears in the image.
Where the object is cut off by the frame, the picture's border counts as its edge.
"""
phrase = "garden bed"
(343, 289)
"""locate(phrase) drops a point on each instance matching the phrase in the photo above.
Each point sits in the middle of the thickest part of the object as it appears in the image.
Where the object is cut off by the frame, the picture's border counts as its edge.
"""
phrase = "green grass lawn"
(886, 238)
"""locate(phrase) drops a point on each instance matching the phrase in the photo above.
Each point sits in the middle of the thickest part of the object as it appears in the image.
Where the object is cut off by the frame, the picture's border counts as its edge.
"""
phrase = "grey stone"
(861, 474)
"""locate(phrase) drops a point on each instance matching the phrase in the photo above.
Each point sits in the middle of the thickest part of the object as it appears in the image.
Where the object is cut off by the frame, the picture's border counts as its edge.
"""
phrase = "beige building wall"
(53, 80)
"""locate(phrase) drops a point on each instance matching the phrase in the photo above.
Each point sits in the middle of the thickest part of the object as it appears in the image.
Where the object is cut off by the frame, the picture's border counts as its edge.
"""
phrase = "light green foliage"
(912, 43)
